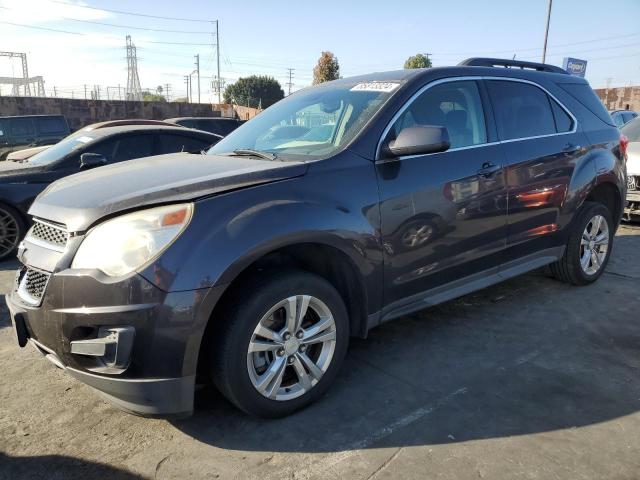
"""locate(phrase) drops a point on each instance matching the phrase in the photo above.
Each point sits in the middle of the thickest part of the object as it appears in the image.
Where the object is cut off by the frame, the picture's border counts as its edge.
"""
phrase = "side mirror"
(91, 160)
(419, 140)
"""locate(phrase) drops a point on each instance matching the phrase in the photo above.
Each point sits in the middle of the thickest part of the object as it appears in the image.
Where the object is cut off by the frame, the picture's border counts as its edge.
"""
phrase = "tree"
(418, 61)
(327, 68)
(147, 96)
(257, 91)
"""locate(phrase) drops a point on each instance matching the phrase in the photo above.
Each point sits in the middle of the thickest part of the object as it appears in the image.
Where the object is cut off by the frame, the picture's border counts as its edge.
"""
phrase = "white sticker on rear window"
(375, 87)
(84, 139)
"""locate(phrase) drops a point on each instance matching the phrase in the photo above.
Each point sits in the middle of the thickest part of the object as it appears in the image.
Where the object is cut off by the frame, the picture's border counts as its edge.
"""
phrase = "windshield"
(311, 124)
(632, 130)
(60, 150)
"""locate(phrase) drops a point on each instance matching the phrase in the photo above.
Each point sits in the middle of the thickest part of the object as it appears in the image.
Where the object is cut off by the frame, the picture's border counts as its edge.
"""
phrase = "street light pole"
(546, 33)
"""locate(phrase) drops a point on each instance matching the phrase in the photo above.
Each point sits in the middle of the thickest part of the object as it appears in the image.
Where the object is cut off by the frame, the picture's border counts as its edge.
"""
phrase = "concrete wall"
(236, 111)
(83, 112)
(620, 98)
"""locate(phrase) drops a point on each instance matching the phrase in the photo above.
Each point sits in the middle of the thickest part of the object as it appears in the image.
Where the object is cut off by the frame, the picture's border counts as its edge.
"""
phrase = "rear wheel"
(12, 229)
(281, 347)
(588, 248)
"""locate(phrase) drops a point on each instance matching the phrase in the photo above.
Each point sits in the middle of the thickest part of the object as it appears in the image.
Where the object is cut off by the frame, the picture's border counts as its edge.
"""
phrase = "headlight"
(126, 243)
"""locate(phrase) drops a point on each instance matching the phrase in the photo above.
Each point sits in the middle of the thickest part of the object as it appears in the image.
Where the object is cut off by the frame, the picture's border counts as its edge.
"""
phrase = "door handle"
(570, 148)
(488, 169)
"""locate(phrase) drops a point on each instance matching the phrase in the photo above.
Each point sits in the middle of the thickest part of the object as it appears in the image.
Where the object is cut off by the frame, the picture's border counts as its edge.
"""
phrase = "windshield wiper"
(256, 153)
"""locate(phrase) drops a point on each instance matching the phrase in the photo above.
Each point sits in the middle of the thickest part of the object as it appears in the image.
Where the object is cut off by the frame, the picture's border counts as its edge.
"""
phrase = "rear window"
(632, 130)
(51, 125)
(522, 110)
(587, 97)
(20, 126)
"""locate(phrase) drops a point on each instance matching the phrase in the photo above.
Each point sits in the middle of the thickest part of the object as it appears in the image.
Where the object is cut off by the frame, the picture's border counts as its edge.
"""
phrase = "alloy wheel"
(594, 245)
(291, 348)
(9, 233)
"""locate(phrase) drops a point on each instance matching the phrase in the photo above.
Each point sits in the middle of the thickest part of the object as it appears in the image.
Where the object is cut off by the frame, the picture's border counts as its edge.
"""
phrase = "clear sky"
(267, 37)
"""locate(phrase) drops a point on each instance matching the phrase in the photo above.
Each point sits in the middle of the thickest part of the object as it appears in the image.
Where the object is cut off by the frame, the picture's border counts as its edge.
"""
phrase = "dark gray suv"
(337, 209)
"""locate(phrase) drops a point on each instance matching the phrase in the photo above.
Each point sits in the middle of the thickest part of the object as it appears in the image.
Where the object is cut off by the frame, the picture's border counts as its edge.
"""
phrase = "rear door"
(443, 215)
(542, 144)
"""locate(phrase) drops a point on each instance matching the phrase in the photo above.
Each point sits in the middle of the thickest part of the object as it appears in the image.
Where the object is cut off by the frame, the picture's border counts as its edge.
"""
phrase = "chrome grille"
(632, 182)
(49, 234)
(33, 285)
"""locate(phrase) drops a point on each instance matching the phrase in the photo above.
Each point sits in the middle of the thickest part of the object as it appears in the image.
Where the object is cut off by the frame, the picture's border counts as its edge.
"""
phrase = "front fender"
(337, 207)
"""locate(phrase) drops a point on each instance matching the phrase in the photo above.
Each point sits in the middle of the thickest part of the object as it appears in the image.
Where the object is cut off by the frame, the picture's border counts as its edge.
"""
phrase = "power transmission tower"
(198, 72)
(133, 92)
(26, 82)
(290, 77)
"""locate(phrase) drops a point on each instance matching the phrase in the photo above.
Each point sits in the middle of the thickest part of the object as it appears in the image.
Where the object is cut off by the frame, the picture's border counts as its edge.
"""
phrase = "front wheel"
(588, 248)
(283, 341)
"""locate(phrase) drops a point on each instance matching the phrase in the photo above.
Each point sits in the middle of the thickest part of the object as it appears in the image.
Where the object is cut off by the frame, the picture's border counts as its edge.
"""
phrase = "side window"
(133, 146)
(628, 116)
(50, 125)
(564, 123)
(19, 127)
(522, 110)
(178, 143)
(454, 105)
(106, 148)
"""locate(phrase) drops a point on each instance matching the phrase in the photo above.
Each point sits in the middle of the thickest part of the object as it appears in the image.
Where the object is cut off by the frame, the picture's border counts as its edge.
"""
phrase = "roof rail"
(500, 62)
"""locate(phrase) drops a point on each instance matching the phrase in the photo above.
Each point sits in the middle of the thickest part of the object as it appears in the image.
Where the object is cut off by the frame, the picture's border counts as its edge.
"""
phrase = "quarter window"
(454, 105)
(564, 123)
(522, 110)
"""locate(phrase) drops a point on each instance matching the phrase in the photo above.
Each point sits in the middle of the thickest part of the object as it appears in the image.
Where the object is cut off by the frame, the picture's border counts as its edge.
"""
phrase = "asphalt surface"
(528, 379)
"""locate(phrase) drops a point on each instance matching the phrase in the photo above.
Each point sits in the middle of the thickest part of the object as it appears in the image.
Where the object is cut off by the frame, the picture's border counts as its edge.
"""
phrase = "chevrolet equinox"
(337, 209)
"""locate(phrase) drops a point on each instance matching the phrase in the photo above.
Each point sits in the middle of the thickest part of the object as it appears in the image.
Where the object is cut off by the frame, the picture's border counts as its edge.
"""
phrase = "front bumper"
(633, 203)
(159, 376)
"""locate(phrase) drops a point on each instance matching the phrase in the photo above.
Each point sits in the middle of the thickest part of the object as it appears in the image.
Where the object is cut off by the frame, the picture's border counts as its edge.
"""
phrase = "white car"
(632, 131)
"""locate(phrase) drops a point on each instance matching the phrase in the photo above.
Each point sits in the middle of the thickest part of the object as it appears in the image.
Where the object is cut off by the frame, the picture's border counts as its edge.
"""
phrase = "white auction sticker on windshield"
(375, 87)
(84, 139)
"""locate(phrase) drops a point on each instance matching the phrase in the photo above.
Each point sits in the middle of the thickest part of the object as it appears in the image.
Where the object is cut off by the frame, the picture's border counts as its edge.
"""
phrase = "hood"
(633, 159)
(79, 200)
(20, 172)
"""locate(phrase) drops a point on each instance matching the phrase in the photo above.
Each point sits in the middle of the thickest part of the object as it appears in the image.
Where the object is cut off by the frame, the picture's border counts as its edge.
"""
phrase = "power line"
(132, 27)
(41, 28)
(122, 12)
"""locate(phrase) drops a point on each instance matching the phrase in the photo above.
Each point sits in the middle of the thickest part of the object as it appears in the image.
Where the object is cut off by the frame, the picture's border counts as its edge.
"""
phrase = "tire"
(241, 375)
(12, 231)
(570, 268)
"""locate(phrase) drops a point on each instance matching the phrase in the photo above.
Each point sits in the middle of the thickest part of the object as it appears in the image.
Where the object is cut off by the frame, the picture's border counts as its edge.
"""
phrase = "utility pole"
(546, 33)
(198, 72)
(167, 91)
(186, 81)
(217, 44)
(290, 84)
(85, 91)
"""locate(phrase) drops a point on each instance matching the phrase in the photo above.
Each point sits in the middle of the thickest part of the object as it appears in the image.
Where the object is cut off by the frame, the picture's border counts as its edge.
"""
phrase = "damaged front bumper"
(125, 337)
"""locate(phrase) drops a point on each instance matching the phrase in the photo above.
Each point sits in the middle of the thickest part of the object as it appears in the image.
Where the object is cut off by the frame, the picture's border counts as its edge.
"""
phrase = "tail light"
(624, 143)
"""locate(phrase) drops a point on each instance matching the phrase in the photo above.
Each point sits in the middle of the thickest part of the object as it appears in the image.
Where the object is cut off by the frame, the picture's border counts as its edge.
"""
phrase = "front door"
(443, 215)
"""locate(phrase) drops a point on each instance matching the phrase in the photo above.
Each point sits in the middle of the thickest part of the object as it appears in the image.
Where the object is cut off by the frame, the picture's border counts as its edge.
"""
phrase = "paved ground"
(528, 379)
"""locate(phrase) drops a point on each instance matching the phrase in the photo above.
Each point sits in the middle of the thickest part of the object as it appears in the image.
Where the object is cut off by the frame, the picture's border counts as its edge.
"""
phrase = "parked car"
(622, 117)
(254, 267)
(30, 131)
(20, 155)
(632, 133)
(217, 125)
(20, 183)
(23, 154)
